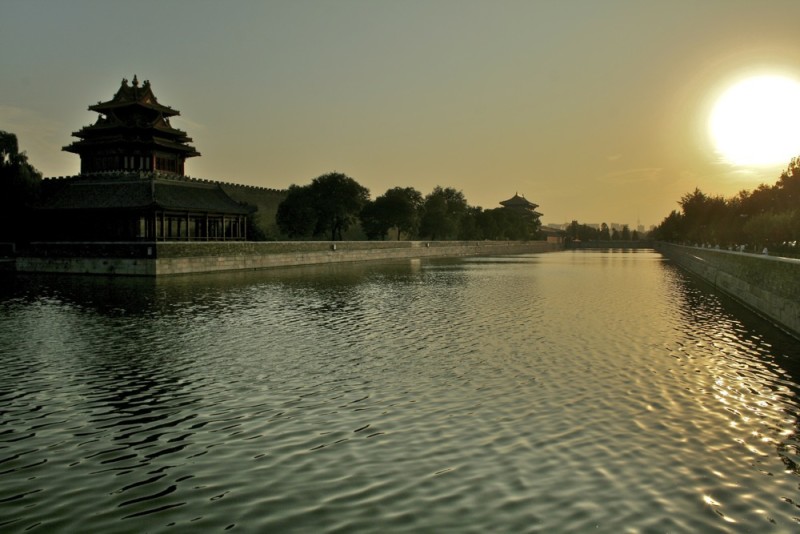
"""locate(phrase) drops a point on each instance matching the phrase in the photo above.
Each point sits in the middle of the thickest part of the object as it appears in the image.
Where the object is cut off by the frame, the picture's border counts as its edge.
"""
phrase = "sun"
(757, 121)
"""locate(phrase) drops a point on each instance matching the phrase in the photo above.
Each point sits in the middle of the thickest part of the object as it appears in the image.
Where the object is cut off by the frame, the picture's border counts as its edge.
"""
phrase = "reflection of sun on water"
(757, 121)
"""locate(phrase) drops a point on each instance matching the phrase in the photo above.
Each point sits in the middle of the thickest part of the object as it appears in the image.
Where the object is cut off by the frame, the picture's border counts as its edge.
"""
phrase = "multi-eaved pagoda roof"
(134, 94)
(132, 185)
(519, 202)
(132, 118)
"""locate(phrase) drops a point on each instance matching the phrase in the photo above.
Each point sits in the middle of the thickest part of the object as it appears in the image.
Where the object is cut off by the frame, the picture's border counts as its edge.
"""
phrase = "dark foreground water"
(564, 392)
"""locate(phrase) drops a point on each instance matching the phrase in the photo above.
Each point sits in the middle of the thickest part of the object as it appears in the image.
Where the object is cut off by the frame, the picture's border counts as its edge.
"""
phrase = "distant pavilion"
(132, 185)
(520, 203)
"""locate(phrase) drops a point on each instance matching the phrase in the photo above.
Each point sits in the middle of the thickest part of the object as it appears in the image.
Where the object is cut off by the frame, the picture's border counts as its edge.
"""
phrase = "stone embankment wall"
(169, 258)
(625, 245)
(769, 285)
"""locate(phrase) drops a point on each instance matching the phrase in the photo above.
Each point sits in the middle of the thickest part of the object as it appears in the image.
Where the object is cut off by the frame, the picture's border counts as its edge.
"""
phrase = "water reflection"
(601, 391)
(755, 397)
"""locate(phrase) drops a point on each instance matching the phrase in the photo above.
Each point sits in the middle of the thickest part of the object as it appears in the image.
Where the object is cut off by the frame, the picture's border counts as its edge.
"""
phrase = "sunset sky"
(595, 110)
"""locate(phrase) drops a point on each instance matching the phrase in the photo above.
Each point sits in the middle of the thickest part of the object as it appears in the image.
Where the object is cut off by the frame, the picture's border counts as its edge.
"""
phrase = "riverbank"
(172, 258)
(769, 285)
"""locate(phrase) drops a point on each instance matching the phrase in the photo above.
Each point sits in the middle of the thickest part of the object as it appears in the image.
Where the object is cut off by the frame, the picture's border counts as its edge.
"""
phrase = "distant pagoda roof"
(518, 202)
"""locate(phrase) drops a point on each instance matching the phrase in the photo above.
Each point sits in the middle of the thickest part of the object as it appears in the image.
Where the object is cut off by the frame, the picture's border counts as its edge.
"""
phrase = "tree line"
(768, 216)
(327, 208)
(583, 232)
(334, 203)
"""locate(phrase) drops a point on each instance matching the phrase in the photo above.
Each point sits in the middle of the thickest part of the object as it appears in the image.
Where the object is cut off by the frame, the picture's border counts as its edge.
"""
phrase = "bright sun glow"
(757, 121)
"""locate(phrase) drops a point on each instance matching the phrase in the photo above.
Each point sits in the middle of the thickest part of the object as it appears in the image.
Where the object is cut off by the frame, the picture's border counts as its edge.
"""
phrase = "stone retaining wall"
(169, 258)
(768, 285)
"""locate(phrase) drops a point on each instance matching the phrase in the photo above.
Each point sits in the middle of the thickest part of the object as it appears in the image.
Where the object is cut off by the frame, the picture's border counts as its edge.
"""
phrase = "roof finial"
(135, 81)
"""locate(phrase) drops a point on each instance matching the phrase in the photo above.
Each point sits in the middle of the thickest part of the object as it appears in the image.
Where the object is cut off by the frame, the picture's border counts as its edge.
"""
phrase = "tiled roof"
(518, 202)
(127, 95)
(132, 191)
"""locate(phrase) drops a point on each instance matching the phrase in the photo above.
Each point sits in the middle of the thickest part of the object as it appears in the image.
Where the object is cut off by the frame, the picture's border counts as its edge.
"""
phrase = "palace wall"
(766, 284)
(265, 199)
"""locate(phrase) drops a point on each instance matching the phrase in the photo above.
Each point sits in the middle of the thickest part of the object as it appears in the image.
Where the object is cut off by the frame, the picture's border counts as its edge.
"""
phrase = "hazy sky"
(597, 110)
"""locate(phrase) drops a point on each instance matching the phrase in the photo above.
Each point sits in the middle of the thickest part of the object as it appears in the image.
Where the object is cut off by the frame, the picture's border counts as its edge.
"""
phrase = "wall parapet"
(767, 284)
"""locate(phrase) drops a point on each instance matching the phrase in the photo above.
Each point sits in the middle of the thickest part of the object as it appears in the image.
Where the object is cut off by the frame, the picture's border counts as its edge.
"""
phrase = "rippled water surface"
(563, 392)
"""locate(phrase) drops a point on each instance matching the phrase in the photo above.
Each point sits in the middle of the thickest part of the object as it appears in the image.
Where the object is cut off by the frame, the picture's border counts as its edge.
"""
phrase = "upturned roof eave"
(100, 107)
(83, 144)
(176, 132)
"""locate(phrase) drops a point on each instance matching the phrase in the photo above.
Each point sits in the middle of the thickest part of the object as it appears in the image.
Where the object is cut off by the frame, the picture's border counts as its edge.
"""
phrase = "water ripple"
(553, 393)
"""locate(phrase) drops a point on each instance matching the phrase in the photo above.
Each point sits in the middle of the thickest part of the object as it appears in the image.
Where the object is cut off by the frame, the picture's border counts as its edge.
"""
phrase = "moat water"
(562, 392)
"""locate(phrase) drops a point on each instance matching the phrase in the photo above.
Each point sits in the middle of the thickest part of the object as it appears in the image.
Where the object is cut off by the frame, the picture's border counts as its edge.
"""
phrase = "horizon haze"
(596, 111)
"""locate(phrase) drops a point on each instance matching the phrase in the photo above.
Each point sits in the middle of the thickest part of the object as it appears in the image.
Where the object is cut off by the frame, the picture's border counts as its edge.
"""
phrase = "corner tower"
(132, 133)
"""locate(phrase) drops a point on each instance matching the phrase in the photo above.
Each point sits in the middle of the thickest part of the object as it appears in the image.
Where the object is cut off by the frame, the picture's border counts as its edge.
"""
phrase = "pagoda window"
(174, 227)
(141, 230)
(166, 164)
(159, 226)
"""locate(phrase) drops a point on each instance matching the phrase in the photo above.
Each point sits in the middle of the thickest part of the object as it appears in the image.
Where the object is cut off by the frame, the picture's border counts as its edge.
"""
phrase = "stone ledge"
(171, 258)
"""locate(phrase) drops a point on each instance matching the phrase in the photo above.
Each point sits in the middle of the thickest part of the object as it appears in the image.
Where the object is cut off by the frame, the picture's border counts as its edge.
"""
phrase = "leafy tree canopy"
(442, 211)
(296, 216)
(330, 204)
(767, 216)
(398, 208)
(20, 185)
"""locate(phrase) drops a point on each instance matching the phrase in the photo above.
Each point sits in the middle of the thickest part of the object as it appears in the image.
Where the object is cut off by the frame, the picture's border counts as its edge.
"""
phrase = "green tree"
(373, 223)
(788, 186)
(770, 229)
(767, 215)
(296, 216)
(471, 228)
(702, 216)
(487, 226)
(329, 204)
(337, 200)
(20, 187)
(518, 223)
(605, 233)
(398, 208)
(442, 211)
(671, 228)
(582, 232)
